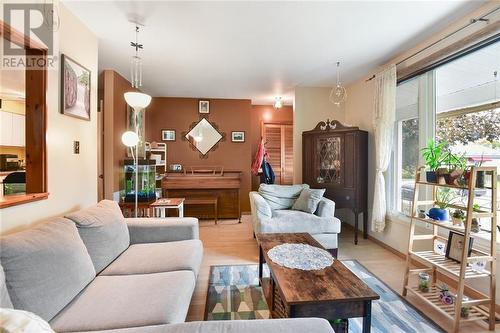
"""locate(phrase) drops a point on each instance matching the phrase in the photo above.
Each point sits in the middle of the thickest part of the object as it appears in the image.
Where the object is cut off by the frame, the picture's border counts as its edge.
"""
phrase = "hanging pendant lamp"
(338, 93)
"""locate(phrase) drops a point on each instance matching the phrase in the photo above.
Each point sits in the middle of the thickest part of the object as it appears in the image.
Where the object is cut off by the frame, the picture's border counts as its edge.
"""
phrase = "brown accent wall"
(115, 123)
(267, 114)
(228, 114)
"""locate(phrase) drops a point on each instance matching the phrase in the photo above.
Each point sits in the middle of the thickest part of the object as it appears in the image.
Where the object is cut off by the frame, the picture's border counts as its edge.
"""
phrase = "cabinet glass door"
(328, 157)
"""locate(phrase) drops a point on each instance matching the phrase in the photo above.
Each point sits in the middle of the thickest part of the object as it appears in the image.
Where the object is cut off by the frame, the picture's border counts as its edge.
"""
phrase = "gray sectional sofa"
(95, 271)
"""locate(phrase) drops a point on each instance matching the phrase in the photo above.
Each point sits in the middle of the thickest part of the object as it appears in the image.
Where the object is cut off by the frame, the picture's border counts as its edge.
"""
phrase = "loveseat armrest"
(326, 208)
(259, 206)
(155, 230)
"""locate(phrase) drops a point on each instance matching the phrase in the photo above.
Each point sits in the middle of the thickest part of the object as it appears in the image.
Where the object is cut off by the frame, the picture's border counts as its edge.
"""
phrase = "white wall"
(72, 179)
(311, 105)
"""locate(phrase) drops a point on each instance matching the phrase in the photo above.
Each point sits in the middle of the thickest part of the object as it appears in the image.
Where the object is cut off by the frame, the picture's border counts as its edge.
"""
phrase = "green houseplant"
(458, 217)
(433, 155)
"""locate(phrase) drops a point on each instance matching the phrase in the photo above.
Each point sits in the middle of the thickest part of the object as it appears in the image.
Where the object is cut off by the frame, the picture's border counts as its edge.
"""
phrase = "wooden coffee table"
(331, 293)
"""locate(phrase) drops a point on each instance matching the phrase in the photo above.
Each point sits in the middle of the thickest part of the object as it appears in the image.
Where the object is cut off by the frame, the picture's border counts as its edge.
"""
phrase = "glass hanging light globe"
(130, 139)
(338, 93)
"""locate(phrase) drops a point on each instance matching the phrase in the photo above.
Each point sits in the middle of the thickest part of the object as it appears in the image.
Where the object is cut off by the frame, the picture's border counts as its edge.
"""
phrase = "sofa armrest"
(326, 208)
(155, 230)
(259, 206)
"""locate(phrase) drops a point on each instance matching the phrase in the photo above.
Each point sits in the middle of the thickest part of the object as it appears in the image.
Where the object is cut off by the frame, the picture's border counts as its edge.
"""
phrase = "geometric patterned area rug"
(234, 293)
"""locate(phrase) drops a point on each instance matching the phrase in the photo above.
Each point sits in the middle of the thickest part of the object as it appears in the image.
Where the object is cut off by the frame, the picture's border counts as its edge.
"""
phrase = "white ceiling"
(259, 50)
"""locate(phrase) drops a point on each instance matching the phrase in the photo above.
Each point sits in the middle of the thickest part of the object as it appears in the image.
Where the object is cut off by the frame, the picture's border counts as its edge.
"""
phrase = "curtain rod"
(472, 21)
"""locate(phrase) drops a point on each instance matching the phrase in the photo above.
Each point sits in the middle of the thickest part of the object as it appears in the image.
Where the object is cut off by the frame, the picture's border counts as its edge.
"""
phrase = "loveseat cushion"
(158, 257)
(281, 196)
(308, 200)
(297, 221)
(103, 230)
(45, 266)
(296, 325)
(111, 302)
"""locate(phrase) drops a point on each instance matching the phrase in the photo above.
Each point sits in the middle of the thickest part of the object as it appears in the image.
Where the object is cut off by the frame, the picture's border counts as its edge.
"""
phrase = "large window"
(457, 103)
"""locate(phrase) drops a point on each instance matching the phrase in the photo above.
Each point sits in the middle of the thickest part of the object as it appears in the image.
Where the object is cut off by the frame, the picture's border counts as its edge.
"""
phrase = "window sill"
(15, 200)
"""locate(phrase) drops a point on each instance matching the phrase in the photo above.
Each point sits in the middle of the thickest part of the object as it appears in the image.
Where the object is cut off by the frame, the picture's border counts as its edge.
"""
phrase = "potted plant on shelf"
(456, 167)
(432, 155)
(457, 217)
(440, 213)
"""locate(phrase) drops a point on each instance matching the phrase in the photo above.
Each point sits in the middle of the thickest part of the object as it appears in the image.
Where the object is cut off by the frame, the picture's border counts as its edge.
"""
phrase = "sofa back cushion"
(104, 232)
(281, 196)
(308, 200)
(45, 267)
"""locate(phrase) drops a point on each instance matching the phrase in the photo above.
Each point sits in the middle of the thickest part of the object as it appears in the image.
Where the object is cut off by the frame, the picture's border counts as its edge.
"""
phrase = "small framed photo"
(168, 135)
(238, 136)
(456, 243)
(204, 106)
(75, 86)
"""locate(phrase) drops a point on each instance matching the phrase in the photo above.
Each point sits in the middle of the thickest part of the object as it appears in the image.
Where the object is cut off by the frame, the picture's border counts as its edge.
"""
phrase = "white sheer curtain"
(385, 111)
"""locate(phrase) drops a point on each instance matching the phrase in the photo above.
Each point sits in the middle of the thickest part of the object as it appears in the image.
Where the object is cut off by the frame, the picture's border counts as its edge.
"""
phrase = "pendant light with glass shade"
(138, 101)
(338, 93)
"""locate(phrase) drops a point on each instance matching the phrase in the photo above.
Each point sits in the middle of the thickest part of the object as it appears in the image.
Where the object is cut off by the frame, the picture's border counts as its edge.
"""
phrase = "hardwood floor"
(231, 242)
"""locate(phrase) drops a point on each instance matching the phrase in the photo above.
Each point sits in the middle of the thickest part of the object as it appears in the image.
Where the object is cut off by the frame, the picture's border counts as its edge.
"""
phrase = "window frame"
(36, 121)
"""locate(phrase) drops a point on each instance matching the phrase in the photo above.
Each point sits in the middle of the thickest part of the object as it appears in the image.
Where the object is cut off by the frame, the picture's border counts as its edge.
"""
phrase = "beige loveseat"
(95, 271)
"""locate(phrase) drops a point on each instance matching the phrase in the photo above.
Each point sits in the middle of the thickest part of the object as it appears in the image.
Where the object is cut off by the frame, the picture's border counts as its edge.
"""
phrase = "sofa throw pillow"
(308, 200)
(45, 266)
(104, 232)
(22, 321)
(281, 196)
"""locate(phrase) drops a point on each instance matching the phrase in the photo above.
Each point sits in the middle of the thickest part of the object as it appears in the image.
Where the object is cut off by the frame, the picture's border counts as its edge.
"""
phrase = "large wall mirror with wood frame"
(23, 174)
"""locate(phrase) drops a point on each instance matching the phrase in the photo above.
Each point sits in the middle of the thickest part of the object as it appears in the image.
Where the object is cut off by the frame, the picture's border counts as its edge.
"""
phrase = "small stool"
(205, 201)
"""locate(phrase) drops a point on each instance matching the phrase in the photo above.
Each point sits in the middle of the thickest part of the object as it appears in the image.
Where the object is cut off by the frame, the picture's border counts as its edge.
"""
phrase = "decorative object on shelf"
(136, 61)
(238, 136)
(334, 157)
(278, 103)
(479, 266)
(175, 167)
(475, 225)
(75, 85)
(440, 247)
(458, 217)
(423, 282)
(422, 214)
(464, 308)
(444, 295)
(338, 93)
(203, 136)
(300, 256)
(168, 135)
(456, 245)
(203, 106)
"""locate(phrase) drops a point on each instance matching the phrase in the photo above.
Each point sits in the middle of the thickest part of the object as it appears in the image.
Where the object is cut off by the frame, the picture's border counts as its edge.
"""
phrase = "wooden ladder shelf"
(461, 272)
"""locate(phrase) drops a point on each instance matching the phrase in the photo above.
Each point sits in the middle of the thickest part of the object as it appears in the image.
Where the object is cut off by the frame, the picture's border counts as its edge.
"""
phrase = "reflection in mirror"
(204, 136)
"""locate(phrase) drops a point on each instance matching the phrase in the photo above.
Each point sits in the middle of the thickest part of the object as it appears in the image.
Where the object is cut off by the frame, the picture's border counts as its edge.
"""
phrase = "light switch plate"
(76, 147)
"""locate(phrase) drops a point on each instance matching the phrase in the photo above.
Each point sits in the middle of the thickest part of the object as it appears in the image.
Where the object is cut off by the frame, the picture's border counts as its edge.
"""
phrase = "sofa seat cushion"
(297, 221)
(45, 266)
(297, 325)
(158, 257)
(111, 302)
(103, 230)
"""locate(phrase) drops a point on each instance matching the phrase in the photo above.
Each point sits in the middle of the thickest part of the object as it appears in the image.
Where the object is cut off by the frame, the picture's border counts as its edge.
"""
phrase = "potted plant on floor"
(432, 155)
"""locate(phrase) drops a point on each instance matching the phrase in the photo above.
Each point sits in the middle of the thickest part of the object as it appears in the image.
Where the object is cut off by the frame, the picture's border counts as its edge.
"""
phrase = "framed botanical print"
(456, 243)
(204, 106)
(238, 136)
(75, 85)
(168, 135)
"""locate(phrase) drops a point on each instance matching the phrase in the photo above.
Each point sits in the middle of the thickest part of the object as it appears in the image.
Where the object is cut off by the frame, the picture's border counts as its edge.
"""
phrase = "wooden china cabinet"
(335, 157)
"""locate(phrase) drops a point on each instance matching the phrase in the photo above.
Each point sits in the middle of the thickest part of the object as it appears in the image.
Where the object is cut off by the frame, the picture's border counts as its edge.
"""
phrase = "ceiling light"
(130, 139)
(338, 93)
(137, 99)
(278, 103)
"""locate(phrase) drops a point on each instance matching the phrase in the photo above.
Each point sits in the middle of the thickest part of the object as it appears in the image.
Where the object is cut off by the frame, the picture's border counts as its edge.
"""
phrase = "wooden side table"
(160, 206)
(142, 207)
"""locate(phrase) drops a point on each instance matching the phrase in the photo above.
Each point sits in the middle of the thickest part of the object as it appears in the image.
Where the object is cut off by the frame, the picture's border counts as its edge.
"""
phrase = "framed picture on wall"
(238, 136)
(204, 106)
(75, 85)
(168, 135)
(456, 243)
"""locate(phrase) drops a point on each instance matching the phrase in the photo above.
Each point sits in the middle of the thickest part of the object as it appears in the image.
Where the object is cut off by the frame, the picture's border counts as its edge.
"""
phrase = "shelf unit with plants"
(456, 306)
